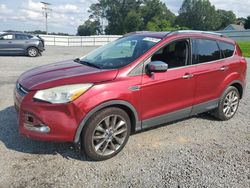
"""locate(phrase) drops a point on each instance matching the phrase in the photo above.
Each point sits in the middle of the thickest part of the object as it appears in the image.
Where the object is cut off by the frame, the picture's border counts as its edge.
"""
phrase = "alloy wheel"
(231, 103)
(32, 52)
(109, 135)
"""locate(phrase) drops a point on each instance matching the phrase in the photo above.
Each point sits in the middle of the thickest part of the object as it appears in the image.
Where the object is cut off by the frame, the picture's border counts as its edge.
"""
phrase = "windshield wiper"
(86, 63)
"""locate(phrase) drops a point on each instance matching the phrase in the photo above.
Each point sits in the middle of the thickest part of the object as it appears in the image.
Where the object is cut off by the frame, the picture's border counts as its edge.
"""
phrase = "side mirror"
(157, 66)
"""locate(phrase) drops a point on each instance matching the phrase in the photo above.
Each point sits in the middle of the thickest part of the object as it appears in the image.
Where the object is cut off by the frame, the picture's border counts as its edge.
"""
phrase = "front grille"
(21, 90)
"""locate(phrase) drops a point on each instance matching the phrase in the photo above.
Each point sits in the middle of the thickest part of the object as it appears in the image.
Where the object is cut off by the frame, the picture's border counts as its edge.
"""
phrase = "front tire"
(32, 52)
(228, 104)
(106, 133)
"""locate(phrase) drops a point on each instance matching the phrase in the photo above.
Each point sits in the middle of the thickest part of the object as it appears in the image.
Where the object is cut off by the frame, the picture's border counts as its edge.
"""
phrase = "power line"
(46, 10)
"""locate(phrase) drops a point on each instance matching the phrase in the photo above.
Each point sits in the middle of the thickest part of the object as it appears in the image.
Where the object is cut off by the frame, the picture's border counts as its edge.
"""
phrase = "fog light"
(37, 128)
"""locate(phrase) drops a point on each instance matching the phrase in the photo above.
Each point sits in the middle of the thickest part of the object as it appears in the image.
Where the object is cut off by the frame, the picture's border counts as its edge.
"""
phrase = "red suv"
(138, 81)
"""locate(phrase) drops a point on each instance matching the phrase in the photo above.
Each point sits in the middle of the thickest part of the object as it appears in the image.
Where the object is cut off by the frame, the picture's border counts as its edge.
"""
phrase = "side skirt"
(180, 114)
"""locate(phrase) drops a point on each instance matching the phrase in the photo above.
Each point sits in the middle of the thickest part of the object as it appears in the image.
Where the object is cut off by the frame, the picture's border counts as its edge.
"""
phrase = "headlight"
(62, 94)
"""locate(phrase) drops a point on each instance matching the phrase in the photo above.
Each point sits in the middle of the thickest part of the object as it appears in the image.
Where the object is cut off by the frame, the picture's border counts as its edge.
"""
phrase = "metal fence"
(237, 35)
(97, 40)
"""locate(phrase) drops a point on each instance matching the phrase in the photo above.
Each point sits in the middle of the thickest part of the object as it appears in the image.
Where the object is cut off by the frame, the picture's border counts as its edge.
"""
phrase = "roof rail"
(135, 32)
(200, 32)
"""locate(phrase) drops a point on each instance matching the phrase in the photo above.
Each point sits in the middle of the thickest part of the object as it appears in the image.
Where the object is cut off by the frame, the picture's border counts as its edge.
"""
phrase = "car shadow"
(17, 55)
(12, 55)
(10, 137)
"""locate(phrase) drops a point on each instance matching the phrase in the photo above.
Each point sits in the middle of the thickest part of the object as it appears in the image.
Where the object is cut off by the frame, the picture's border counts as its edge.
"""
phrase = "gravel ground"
(195, 152)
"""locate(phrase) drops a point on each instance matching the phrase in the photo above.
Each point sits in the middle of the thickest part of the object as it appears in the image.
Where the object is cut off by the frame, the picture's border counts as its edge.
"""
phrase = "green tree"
(89, 28)
(129, 15)
(198, 15)
(160, 25)
(132, 22)
(247, 23)
(115, 13)
(153, 10)
(226, 18)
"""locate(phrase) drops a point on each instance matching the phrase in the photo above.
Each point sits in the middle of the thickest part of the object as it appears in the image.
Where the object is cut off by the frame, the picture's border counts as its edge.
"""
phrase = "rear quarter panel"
(236, 73)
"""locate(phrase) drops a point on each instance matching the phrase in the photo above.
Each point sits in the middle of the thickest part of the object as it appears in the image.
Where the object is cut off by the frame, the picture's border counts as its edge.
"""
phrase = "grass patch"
(245, 47)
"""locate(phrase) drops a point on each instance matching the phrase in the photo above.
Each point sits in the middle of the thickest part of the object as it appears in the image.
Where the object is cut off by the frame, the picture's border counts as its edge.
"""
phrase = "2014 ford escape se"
(141, 80)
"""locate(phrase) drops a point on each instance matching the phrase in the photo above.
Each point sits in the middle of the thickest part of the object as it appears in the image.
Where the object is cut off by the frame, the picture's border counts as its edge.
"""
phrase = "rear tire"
(32, 52)
(106, 133)
(228, 104)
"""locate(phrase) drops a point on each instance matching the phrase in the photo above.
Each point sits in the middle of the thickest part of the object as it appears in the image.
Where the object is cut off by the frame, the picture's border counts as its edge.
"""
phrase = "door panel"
(208, 78)
(19, 45)
(7, 44)
(3, 46)
(163, 93)
(210, 70)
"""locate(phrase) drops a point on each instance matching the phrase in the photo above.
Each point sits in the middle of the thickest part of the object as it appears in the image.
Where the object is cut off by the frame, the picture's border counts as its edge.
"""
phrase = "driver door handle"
(223, 68)
(187, 76)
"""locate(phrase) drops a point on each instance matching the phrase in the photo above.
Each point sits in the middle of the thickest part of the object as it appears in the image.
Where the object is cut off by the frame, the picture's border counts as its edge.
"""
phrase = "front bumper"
(44, 121)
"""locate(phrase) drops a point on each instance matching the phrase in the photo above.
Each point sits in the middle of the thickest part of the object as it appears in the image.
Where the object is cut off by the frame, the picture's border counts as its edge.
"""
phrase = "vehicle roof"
(160, 35)
(186, 33)
(16, 33)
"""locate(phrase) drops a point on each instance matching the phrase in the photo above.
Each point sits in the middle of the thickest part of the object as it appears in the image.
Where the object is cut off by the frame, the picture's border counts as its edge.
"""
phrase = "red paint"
(159, 93)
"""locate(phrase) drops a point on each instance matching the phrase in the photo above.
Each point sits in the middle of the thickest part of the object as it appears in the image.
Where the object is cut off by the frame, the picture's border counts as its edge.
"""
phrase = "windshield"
(120, 52)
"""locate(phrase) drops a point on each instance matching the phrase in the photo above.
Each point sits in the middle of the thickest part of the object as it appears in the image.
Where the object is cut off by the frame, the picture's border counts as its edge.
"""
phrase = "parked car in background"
(136, 82)
(12, 43)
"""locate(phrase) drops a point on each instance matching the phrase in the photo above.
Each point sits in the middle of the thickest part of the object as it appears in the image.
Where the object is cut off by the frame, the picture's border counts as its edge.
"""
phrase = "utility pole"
(46, 10)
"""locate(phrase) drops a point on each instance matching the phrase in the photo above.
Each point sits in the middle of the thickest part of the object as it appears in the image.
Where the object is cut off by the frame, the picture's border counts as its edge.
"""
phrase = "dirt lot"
(196, 152)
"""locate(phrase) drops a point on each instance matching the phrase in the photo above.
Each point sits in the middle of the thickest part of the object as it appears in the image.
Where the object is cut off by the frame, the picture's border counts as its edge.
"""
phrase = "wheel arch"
(239, 86)
(31, 46)
(126, 106)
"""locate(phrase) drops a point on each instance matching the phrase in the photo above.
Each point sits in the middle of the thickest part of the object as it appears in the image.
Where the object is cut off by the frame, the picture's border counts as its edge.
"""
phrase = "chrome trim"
(41, 129)
(134, 88)
(198, 32)
(209, 62)
(182, 38)
(186, 76)
(205, 63)
(20, 89)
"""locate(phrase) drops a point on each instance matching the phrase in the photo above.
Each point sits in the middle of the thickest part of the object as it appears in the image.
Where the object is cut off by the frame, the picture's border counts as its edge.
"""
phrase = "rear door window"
(21, 37)
(227, 49)
(8, 37)
(205, 50)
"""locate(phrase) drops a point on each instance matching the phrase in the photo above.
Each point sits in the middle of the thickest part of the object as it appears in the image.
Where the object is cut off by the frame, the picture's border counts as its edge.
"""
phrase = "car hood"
(62, 73)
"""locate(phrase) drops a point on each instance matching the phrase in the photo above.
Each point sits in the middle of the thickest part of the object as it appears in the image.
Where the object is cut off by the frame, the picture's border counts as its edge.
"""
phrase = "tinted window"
(21, 37)
(227, 49)
(30, 36)
(205, 51)
(174, 54)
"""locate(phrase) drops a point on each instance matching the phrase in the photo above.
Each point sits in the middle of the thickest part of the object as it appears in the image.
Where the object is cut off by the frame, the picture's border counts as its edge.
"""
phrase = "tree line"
(116, 17)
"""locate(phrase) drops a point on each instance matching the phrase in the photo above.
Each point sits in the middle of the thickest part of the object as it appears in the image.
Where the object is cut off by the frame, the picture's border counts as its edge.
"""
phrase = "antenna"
(46, 10)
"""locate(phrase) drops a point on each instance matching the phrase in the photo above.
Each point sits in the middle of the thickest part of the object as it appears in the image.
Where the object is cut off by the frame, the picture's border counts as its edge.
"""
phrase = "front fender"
(101, 106)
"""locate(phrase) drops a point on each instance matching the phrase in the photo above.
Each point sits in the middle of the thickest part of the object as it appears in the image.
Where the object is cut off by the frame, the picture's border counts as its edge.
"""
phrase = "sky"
(67, 15)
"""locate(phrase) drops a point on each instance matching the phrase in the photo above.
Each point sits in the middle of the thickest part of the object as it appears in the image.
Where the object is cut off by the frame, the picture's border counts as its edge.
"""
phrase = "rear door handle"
(187, 75)
(223, 68)
(9, 42)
